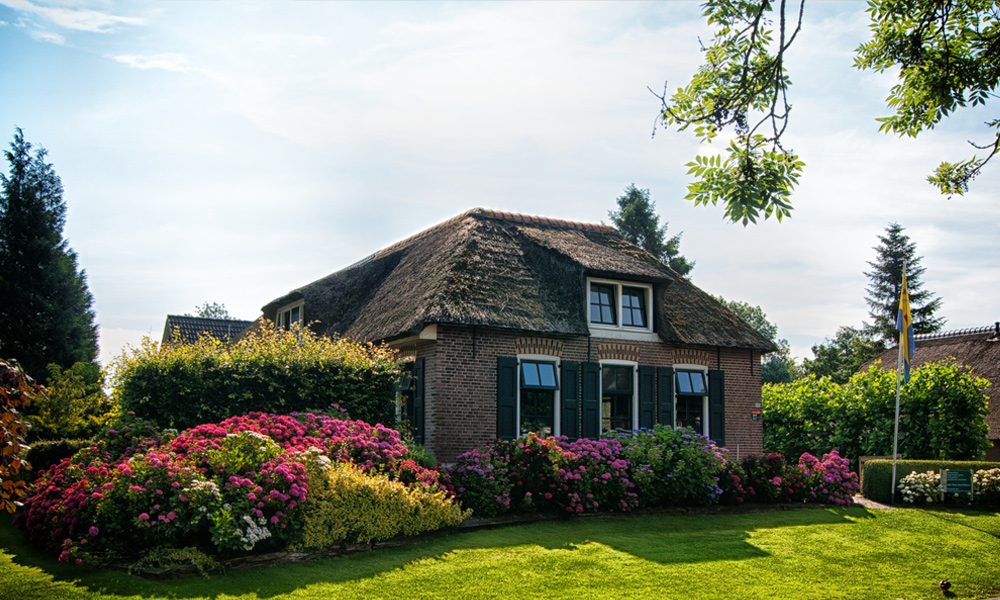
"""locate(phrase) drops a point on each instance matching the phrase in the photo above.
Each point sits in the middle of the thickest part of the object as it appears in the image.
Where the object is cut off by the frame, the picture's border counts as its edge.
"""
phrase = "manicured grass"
(812, 553)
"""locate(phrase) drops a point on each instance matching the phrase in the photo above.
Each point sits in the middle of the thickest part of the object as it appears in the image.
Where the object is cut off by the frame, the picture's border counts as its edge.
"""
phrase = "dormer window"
(289, 315)
(621, 306)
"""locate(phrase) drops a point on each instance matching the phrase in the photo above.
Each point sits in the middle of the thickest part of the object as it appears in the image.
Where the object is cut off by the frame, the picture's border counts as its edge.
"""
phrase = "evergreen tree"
(885, 280)
(45, 306)
(639, 224)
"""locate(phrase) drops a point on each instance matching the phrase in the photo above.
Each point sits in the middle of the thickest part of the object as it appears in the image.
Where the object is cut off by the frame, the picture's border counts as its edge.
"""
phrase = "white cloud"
(48, 36)
(78, 19)
(167, 62)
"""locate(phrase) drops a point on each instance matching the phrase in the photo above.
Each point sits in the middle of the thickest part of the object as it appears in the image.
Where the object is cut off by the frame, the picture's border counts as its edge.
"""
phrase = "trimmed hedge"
(184, 385)
(878, 473)
(43, 455)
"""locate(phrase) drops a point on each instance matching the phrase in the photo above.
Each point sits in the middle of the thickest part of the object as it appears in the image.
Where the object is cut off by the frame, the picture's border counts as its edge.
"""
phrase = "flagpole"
(895, 437)
(899, 370)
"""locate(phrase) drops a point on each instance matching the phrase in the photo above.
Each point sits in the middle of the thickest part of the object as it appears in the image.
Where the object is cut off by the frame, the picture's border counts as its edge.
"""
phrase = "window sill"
(624, 334)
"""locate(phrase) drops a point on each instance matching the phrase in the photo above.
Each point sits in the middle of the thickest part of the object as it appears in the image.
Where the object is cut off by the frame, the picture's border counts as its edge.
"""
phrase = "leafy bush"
(268, 370)
(74, 406)
(920, 488)
(764, 475)
(987, 486)
(238, 486)
(770, 479)
(17, 390)
(674, 467)
(349, 505)
(479, 479)
(875, 484)
(942, 414)
(829, 481)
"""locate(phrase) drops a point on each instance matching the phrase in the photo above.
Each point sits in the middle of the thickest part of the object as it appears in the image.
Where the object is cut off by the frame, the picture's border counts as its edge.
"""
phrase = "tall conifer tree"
(45, 306)
(638, 222)
(885, 280)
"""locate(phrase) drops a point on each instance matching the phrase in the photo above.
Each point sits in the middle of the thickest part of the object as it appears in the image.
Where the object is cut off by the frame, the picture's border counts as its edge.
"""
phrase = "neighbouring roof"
(978, 348)
(191, 328)
(511, 271)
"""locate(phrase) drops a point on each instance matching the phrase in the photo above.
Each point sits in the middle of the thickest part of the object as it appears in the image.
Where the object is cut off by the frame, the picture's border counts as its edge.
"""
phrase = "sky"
(231, 152)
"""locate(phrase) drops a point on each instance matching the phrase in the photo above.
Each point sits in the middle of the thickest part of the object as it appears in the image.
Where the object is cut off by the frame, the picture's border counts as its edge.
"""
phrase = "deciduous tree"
(945, 52)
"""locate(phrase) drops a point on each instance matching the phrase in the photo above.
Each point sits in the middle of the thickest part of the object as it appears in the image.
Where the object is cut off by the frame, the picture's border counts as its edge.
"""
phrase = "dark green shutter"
(569, 418)
(647, 397)
(717, 408)
(506, 398)
(591, 410)
(418, 401)
(665, 396)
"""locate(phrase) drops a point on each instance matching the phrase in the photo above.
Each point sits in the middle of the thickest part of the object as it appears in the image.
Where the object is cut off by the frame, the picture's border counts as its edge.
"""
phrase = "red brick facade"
(460, 380)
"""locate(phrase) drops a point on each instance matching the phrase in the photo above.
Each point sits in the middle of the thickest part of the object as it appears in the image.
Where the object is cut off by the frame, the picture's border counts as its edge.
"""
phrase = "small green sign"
(958, 482)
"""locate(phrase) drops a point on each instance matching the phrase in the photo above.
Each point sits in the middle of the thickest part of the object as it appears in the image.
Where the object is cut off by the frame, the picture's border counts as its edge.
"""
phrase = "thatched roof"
(978, 348)
(191, 328)
(510, 271)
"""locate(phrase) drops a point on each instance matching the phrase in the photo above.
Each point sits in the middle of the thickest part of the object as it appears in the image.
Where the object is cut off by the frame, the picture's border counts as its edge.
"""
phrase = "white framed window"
(290, 314)
(619, 395)
(691, 397)
(538, 395)
(618, 306)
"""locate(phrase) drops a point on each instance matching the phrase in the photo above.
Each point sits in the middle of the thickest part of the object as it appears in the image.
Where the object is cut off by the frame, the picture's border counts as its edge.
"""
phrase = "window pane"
(295, 315)
(698, 383)
(529, 374)
(634, 306)
(683, 382)
(547, 374)
(617, 379)
(538, 411)
(602, 304)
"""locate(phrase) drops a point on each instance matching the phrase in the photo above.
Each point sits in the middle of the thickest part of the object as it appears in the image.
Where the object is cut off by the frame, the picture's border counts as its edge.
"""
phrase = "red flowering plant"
(830, 480)
(231, 487)
(594, 475)
(764, 480)
(479, 479)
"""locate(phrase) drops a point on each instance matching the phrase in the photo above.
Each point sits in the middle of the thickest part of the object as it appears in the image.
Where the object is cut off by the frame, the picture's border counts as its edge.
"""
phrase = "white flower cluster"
(199, 487)
(986, 481)
(920, 487)
(254, 533)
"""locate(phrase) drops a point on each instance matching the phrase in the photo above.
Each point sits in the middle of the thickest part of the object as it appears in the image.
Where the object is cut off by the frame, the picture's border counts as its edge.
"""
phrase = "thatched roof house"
(978, 348)
(526, 288)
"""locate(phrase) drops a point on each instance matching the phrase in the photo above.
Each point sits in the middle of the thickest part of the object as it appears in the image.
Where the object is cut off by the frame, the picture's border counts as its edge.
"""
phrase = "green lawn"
(813, 553)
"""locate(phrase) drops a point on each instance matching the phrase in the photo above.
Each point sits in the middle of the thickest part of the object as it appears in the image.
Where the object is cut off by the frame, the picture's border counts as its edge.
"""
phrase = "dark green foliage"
(637, 221)
(841, 357)
(44, 454)
(885, 282)
(45, 306)
(942, 415)
(778, 366)
(878, 472)
(181, 386)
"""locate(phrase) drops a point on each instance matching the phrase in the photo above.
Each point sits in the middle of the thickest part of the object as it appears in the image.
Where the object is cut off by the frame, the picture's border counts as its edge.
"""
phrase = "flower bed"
(234, 487)
(631, 469)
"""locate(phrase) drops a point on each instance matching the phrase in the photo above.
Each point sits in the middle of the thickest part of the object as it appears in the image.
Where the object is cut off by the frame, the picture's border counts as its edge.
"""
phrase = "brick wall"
(460, 380)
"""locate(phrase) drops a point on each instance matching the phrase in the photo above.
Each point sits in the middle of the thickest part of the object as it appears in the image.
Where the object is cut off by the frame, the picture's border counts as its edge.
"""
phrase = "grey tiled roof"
(191, 328)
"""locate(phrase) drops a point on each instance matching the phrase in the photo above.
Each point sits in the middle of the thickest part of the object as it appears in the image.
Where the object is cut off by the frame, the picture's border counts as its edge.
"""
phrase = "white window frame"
(704, 402)
(635, 388)
(557, 402)
(619, 331)
(278, 321)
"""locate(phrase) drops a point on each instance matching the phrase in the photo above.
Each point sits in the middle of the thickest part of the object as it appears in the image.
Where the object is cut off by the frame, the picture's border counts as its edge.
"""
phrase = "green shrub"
(346, 504)
(74, 405)
(184, 385)
(942, 415)
(677, 467)
(875, 484)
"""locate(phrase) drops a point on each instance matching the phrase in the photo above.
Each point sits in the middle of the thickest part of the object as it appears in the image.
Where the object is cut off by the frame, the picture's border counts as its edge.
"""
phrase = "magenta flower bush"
(770, 479)
(830, 480)
(231, 488)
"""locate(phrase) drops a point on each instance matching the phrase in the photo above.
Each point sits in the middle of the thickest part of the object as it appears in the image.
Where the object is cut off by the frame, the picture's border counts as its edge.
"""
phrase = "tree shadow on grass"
(664, 539)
